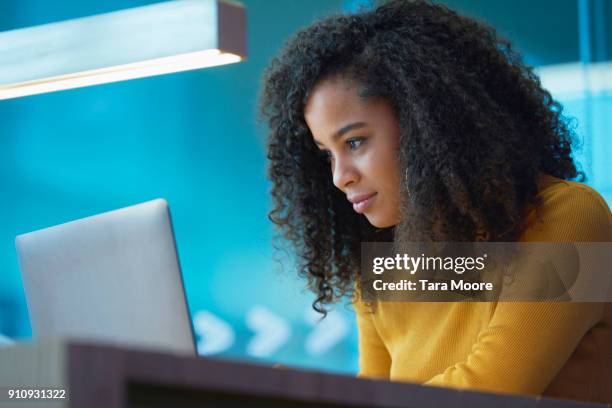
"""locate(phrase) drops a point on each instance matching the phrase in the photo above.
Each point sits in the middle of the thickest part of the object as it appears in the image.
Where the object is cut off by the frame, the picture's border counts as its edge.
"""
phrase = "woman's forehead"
(336, 103)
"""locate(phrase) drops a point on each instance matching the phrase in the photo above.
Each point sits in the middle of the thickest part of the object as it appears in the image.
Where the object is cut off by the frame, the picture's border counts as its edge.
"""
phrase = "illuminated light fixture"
(167, 37)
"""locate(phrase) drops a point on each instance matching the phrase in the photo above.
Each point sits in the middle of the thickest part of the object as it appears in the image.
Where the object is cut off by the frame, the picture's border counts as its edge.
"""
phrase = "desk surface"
(108, 376)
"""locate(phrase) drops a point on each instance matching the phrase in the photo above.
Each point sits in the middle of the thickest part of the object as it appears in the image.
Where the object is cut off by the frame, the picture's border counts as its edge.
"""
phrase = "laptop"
(112, 278)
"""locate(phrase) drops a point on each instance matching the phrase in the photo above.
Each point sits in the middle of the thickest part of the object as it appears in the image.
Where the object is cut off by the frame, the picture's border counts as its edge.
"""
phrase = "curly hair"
(476, 130)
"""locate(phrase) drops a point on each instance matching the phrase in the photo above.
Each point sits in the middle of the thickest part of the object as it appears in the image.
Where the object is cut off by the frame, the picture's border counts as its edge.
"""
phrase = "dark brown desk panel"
(105, 376)
(155, 379)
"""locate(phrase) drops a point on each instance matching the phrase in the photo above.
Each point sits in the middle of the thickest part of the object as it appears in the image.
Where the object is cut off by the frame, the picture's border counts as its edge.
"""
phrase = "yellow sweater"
(552, 348)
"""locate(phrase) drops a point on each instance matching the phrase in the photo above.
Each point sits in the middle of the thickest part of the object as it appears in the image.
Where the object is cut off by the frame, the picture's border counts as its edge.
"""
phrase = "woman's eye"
(355, 142)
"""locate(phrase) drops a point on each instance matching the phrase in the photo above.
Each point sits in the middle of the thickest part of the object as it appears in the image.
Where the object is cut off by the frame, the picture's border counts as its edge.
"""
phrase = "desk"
(106, 376)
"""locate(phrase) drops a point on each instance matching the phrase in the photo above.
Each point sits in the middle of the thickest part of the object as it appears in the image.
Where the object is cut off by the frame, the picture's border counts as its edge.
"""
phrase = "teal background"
(193, 139)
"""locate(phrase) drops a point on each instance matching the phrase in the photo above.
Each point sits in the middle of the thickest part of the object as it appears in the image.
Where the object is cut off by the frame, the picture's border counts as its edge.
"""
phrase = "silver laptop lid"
(114, 277)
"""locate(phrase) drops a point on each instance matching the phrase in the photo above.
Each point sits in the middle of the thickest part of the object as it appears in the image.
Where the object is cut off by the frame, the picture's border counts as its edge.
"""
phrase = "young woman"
(412, 123)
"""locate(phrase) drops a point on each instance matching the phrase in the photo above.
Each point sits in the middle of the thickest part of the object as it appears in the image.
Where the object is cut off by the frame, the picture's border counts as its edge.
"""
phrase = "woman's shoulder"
(570, 211)
(551, 188)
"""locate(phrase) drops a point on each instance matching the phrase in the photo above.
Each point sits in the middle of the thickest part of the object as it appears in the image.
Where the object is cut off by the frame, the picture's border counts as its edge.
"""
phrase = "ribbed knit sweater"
(558, 349)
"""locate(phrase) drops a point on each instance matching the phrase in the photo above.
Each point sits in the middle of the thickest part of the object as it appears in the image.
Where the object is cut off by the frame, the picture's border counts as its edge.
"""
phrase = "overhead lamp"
(157, 39)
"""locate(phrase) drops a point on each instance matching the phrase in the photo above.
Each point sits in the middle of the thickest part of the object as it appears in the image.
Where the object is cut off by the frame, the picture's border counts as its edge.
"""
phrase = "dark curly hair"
(476, 129)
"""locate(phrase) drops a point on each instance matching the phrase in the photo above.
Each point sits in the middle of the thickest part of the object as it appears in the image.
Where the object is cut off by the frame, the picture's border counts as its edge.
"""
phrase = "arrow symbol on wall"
(215, 334)
(271, 331)
(326, 333)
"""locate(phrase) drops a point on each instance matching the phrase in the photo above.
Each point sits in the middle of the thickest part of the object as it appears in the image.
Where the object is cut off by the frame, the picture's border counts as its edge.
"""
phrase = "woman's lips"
(361, 206)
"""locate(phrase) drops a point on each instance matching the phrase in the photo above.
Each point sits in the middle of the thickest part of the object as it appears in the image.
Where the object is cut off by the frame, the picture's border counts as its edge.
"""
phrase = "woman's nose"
(344, 173)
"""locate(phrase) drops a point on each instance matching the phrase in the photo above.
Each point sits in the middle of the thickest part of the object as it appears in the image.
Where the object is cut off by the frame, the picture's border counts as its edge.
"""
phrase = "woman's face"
(360, 136)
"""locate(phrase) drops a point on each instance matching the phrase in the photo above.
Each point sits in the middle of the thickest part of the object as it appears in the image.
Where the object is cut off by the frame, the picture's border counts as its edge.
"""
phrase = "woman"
(412, 123)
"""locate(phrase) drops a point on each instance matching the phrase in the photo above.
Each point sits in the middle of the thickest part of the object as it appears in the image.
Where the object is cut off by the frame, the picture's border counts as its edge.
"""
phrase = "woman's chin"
(378, 222)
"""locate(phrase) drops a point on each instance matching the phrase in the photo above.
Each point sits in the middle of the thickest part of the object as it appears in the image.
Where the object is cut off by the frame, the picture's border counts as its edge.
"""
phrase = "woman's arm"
(527, 343)
(524, 346)
(374, 359)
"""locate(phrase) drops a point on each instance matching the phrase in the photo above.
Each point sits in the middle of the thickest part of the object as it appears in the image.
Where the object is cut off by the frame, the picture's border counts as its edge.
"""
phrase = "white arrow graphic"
(271, 331)
(215, 334)
(326, 333)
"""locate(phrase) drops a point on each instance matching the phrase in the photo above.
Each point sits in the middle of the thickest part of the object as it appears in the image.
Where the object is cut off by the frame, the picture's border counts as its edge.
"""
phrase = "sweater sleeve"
(526, 344)
(374, 359)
